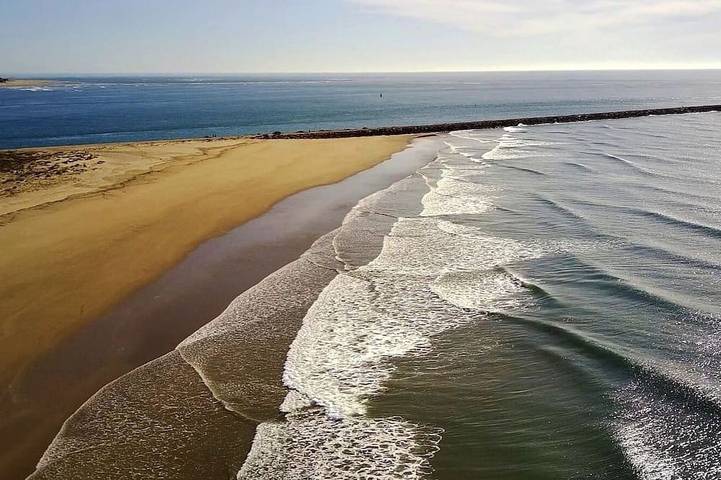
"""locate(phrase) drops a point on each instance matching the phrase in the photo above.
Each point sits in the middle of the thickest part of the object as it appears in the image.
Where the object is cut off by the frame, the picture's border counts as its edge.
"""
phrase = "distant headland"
(23, 82)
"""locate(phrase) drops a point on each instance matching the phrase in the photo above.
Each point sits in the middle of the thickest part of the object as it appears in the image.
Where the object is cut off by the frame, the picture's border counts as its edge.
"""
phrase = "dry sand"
(83, 227)
(25, 83)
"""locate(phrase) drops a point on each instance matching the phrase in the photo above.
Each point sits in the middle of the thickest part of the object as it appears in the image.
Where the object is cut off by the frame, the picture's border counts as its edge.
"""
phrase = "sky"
(274, 36)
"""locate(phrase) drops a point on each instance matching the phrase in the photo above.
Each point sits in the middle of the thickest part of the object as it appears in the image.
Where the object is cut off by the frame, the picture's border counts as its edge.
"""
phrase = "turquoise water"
(111, 109)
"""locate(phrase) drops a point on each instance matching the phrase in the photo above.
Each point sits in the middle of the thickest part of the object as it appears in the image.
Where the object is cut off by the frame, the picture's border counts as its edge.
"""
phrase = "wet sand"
(54, 357)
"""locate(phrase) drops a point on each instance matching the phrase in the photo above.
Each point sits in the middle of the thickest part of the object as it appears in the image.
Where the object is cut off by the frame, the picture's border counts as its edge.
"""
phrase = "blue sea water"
(80, 110)
(549, 310)
(536, 302)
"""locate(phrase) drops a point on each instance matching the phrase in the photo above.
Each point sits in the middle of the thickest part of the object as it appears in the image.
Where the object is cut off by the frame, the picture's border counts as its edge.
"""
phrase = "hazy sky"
(174, 36)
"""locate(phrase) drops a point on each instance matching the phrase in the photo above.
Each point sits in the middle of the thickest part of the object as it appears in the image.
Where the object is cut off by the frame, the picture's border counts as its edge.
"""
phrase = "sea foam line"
(431, 275)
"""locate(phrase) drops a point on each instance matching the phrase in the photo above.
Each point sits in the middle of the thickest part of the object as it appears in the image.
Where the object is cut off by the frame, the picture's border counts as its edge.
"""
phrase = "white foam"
(335, 359)
(471, 156)
(661, 440)
(340, 359)
(453, 148)
(452, 196)
(455, 193)
(510, 148)
(428, 246)
(516, 129)
(470, 135)
(310, 445)
(388, 309)
(431, 275)
(459, 150)
(489, 291)
(36, 89)
(383, 310)
(341, 356)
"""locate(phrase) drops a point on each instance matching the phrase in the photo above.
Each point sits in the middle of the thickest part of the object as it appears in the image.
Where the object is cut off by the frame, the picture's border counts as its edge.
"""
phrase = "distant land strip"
(486, 124)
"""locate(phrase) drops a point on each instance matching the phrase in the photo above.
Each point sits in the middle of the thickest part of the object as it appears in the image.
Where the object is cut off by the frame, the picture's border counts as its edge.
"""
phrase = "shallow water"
(82, 110)
(153, 320)
(546, 303)
(536, 302)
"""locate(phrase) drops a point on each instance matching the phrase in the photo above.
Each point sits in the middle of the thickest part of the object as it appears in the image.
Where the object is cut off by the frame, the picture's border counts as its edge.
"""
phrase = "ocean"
(535, 302)
(79, 110)
(546, 303)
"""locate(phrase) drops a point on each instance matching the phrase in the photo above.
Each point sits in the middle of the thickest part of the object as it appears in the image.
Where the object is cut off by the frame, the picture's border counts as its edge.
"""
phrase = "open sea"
(535, 302)
(117, 109)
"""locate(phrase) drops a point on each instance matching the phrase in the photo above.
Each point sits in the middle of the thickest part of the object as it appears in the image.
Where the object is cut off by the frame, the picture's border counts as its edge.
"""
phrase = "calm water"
(92, 110)
(546, 304)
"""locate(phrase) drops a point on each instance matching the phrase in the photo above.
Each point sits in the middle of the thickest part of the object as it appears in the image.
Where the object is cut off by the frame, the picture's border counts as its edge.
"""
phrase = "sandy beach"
(157, 316)
(83, 227)
(365, 239)
(25, 83)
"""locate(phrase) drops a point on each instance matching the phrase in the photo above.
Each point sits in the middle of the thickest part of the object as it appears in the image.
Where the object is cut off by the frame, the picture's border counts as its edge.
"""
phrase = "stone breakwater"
(487, 124)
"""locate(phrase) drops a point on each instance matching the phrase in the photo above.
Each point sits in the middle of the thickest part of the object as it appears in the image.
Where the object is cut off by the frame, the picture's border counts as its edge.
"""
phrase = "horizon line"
(26, 75)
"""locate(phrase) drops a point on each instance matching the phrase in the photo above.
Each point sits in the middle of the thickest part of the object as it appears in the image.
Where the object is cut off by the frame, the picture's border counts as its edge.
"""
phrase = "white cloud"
(532, 17)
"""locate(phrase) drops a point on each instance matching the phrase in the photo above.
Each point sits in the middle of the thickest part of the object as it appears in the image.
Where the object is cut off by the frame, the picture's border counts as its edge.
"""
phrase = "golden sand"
(97, 222)
(25, 83)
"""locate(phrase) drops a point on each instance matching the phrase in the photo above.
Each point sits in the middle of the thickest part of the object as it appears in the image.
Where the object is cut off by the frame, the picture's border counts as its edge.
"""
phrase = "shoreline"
(148, 176)
(71, 259)
(251, 255)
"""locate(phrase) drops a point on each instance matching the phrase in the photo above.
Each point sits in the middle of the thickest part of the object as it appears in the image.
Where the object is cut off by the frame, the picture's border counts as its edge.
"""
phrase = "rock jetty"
(486, 124)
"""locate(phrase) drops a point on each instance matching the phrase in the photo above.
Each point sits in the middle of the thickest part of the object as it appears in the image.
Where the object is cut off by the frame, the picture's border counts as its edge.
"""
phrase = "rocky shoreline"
(486, 124)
